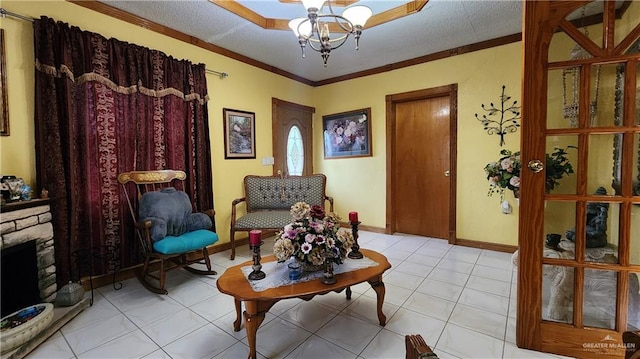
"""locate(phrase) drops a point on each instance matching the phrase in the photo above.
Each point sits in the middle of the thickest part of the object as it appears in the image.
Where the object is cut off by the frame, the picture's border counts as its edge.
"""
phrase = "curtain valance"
(82, 56)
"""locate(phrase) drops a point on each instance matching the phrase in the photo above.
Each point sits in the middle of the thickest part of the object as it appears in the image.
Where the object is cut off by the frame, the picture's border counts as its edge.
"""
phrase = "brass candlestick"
(355, 249)
(257, 273)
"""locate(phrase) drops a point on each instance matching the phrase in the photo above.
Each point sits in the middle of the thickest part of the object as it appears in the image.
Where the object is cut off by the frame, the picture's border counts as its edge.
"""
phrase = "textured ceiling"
(440, 25)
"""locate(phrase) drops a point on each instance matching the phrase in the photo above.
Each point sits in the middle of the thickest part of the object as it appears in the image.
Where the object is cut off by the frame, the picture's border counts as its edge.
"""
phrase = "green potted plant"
(556, 166)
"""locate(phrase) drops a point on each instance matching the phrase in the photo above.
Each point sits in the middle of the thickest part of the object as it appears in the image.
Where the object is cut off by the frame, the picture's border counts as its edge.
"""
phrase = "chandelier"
(314, 29)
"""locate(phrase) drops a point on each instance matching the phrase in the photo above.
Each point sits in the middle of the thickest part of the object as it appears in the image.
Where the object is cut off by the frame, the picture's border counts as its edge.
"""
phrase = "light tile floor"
(461, 300)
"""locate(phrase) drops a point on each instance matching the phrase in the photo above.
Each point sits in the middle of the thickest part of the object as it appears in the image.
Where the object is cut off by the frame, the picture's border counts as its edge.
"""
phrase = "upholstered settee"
(268, 201)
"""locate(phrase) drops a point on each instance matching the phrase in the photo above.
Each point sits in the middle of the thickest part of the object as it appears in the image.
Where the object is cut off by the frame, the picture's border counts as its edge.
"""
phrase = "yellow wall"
(356, 184)
(238, 91)
(479, 76)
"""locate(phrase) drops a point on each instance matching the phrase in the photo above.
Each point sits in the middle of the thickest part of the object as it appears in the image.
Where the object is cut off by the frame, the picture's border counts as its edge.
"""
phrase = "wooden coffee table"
(257, 304)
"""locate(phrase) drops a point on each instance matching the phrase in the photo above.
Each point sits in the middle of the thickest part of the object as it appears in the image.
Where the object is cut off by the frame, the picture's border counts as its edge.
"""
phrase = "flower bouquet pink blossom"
(505, 173)
(313, 236)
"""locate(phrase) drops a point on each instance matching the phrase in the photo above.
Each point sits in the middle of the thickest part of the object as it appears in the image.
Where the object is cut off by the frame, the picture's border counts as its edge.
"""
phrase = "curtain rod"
(221, 74)
(4, 13)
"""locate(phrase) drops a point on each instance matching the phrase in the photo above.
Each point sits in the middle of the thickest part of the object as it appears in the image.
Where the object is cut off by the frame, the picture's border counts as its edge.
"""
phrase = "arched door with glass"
(292, 139)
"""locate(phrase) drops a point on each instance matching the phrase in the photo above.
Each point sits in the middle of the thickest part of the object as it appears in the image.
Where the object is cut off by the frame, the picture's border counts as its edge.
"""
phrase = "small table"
(257, 304)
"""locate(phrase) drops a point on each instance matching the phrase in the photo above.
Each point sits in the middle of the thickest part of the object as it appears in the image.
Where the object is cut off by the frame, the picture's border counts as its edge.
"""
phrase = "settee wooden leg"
(232, 240)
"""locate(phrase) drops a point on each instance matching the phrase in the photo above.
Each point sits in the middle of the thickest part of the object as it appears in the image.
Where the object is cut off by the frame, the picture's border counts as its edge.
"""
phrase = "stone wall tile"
(45, 217)
(48, 292)
(7, 227)
(40, 231)
(46, 281)
(46, 258)
(46, 272)
(22, 213)
(26, 222)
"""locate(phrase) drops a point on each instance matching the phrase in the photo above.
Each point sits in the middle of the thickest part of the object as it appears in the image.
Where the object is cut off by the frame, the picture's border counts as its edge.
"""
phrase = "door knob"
(536, 166)
(446, 173)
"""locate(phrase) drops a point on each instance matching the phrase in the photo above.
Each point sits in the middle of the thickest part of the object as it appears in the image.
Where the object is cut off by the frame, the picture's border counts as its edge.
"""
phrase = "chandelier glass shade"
(314, 29)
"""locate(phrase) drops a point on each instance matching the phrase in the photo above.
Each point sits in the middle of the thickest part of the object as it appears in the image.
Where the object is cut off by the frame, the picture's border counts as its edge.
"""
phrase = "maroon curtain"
(102, 107)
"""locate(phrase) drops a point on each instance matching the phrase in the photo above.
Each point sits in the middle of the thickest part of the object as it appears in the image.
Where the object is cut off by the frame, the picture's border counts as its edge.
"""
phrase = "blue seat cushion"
(187, 242)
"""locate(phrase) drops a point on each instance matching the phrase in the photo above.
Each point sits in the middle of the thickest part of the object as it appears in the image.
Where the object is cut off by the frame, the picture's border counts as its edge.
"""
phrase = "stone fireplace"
(27, 222)
(30, 221)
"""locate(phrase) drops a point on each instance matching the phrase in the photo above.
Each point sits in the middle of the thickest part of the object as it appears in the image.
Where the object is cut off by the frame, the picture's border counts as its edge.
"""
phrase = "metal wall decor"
(508, 121)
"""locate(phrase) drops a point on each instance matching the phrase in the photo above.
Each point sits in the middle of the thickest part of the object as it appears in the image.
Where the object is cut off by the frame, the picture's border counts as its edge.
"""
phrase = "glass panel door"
(579, 235)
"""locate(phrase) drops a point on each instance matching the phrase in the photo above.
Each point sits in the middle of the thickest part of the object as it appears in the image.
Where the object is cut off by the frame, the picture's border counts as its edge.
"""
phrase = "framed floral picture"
(239, 134)
(347, 134)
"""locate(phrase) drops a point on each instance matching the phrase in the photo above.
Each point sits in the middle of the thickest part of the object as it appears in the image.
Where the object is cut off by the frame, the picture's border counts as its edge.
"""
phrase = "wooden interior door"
(288, 117)
(421, 163)
(578, 300)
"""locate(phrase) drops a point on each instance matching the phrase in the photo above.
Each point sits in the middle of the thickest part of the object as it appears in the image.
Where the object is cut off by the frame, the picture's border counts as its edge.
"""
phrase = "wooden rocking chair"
(167, 230)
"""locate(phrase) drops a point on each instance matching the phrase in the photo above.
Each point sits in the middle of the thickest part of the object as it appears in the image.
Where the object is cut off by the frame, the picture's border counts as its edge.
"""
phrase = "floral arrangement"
(312, 236)
(505, 173)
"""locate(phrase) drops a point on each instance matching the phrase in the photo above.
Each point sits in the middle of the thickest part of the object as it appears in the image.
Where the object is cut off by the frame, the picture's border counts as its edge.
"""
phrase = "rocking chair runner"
(165, 226)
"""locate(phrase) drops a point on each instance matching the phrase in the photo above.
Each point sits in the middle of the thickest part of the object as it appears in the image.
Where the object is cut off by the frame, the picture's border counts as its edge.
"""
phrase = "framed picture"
(4, 110)
(239, 134)
(347, 134)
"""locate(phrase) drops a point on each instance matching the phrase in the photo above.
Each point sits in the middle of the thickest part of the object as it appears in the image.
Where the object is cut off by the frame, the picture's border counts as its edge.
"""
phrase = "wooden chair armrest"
(238, 201)
(330, 199)
(233, 209)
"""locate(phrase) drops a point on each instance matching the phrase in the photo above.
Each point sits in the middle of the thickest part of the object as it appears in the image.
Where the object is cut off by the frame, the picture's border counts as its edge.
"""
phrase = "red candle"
(353, 216)
(254, 237)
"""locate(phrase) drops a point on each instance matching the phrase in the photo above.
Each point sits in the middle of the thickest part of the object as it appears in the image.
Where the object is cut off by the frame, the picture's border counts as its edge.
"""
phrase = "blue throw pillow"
(169, 211)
